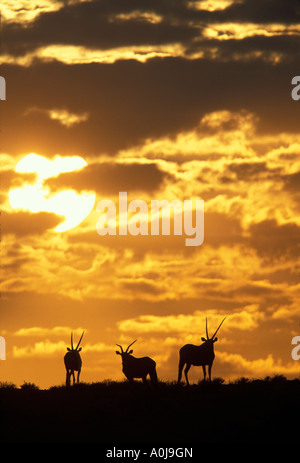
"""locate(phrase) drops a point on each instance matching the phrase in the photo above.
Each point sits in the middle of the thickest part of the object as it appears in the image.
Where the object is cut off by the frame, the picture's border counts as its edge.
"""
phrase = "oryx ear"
(130, 352)
(118, 353)
(203, 339)
(68, 348)
(215, 339)
(78, 350)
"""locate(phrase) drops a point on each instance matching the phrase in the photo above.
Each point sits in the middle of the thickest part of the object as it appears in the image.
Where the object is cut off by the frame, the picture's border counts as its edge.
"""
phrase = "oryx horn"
(218, 328)
(120, 347)
(79, 340)
(130, 345)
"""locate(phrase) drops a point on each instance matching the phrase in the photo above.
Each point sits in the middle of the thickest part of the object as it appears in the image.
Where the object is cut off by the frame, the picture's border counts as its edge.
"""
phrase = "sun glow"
(37, 197)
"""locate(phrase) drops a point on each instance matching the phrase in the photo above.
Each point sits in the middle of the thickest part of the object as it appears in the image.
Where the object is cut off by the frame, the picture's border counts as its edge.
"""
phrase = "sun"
(37, 197)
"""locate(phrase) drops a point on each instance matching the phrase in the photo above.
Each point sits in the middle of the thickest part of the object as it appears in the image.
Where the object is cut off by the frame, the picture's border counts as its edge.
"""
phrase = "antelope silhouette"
(137, 367)
(198, 355)
(73, 361)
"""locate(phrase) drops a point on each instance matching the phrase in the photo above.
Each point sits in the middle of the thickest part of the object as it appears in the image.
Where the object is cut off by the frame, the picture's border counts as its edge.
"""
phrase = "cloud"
(46, 348)
(218, 134)
(292, 181)
(253, 171)
(111, 178)
(274, 241)
(145, 104)
(20, 13)
(191, 324)
(38, 331)
(222, 229)
(257, 11)
(103, 25)
(25, 223)
(63, 116)
(49, 349)
(259, 368)
(141, 286)
(11, 179)
(39, 349)
(112, 25)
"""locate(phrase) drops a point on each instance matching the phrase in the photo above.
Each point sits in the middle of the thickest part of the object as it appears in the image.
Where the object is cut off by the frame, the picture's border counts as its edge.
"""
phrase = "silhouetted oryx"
(73, 361)
(137, 367)
(198, 355)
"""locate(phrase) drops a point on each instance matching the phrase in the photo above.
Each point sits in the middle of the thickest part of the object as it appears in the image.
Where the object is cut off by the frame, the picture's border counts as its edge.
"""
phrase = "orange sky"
(165, 101)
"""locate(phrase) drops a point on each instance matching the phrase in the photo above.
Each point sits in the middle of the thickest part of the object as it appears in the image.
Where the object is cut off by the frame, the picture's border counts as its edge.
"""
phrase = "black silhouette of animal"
(73, 361)
(202, 355)
(137, 367)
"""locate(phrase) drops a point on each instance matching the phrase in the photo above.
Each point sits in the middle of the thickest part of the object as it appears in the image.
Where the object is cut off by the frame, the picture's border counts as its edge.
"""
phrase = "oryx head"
(213, 338)
(126, 353)
(77, 348)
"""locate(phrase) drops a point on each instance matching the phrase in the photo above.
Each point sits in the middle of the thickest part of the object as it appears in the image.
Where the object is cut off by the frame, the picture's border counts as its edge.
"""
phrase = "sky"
(168, 99)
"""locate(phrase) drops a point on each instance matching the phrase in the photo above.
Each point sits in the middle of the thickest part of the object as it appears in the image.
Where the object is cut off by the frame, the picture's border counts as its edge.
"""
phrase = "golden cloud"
(48, 348)
(240, 31)
(20, 12)
(39, 349)
(77, 54)
(37, 331)
(257, 368)
(246, 318)
(63, 116)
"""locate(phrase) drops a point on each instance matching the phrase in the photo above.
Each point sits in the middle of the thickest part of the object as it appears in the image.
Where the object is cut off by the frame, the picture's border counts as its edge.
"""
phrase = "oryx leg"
(186, 370)
(73, 374)
(180, 367)
(209, 371)
(68, 378)
(204, 372)
(78, 374)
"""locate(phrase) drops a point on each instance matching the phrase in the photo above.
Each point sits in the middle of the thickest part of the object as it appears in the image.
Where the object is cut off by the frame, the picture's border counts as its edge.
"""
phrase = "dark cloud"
(26, 223)
(111, 178)
(248, 48)
(142, 287)
(292, 182)
(101, 25)
(11, 179)
(273, 241)
(129, 101)
(259, 11)
(288, 275)
(98, 24)
(248, 292)
(253, 171)
(221, 229)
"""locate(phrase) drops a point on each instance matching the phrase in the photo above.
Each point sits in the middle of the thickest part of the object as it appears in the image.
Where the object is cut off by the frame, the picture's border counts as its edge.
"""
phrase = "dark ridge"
(256, 411)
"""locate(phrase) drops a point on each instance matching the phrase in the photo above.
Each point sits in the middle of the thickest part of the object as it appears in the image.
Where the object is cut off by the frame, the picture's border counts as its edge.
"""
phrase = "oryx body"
(202, 355)
(73, 361)
(133, 367)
